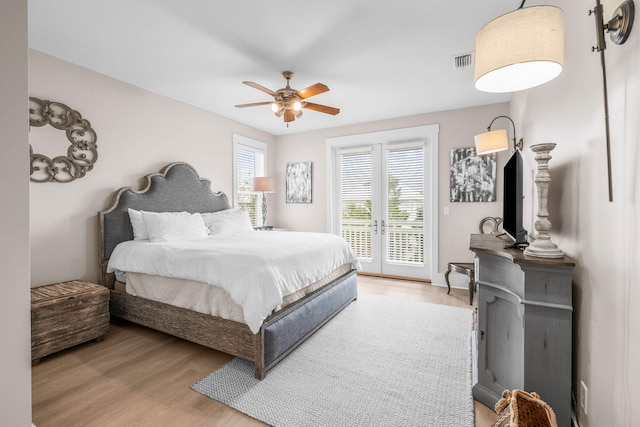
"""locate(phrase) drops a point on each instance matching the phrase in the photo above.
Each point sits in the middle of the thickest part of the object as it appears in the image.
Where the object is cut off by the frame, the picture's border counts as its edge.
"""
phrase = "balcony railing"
(357, 232)
(404, 239)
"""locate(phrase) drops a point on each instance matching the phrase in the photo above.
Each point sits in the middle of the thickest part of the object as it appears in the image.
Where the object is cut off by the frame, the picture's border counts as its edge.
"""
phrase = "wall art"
(298, 182)
(472, 177)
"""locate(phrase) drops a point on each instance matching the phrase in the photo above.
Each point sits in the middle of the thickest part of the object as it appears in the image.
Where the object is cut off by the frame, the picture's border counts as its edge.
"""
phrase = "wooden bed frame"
(177, 187)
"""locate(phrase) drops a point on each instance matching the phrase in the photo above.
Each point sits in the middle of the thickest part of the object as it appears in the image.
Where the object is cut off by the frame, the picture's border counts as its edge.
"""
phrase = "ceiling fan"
(290, 102)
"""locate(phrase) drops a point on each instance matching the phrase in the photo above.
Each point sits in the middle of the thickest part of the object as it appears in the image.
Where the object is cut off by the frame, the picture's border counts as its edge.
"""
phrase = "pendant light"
(520, 50)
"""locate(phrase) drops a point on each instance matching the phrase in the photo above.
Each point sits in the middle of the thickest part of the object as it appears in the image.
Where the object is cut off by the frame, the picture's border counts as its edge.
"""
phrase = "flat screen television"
(513, 199)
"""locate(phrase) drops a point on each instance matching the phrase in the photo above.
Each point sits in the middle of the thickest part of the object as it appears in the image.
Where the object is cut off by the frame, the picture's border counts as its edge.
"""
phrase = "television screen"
(513, 199)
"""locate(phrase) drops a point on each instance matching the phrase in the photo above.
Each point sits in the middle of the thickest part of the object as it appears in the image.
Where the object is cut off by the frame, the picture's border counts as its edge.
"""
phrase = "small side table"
(466, 268)
(66, 314)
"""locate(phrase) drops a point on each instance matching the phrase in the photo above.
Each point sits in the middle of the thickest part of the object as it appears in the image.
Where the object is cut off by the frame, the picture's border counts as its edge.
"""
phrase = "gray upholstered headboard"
(176, 188)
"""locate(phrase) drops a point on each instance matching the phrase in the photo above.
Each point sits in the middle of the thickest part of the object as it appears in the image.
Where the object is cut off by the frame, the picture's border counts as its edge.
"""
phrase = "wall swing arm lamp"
(619, 28)
(496, 140)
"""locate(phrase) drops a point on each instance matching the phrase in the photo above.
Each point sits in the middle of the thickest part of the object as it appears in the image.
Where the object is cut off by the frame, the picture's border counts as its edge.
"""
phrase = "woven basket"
(522, 409)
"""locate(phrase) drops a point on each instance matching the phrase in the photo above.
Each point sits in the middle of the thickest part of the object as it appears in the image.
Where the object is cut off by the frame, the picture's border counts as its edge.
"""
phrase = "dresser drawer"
(66, 314)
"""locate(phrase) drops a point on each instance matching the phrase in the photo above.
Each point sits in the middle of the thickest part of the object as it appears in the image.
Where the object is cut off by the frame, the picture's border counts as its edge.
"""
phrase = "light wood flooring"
(139, 377)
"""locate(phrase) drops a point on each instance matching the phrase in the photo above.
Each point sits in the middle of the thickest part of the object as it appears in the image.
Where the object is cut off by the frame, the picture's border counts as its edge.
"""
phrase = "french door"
(380, 194)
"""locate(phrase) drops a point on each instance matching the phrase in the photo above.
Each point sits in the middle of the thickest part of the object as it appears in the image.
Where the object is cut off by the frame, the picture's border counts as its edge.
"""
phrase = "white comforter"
(257, 269)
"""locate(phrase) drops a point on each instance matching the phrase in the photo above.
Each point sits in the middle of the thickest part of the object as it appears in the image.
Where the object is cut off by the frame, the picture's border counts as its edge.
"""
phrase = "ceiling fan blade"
(289, 116)
(321, 108)
(312, 90)
(260, 87)
(253, 104)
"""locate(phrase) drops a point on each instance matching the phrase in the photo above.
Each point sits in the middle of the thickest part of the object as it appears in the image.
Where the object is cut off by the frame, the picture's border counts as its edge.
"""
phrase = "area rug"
(380, 362)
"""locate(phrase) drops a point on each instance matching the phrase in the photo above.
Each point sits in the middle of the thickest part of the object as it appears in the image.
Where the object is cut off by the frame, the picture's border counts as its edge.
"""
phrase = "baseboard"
(456, 280)
(387, 276)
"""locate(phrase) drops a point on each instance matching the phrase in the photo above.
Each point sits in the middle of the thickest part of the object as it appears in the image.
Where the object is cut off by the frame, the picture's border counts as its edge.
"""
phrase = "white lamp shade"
(520, 50)
(264, 184)
(490, 142)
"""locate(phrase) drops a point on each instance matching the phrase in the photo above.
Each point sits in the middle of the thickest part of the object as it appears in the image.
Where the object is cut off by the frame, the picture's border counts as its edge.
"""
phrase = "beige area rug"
(380, 362)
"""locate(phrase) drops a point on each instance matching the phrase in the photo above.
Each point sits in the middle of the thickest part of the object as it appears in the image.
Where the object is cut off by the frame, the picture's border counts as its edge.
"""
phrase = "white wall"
(15, 317)
(603, 237)
(457, 128)
(138, 133)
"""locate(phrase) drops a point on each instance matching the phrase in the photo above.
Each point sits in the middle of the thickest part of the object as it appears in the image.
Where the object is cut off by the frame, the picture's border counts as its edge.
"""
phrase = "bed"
(179, 188)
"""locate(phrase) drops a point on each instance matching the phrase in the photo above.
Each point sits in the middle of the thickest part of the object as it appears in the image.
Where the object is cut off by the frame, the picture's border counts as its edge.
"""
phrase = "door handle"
(382, 226)
(375, 226)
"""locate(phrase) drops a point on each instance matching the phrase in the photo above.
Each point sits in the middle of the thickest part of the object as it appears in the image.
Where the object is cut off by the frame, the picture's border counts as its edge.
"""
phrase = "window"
(249, 161)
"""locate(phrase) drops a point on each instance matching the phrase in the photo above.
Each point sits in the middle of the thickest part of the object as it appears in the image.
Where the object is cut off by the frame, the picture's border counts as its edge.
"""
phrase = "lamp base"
(543, 249)
(264, 210)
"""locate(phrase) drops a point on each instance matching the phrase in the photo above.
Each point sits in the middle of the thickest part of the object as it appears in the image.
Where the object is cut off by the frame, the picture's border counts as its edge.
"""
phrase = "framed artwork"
(299, 182)
(472, 177)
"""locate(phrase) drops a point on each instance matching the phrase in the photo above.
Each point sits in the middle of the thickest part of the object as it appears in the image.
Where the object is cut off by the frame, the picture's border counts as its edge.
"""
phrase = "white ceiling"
(380, 58)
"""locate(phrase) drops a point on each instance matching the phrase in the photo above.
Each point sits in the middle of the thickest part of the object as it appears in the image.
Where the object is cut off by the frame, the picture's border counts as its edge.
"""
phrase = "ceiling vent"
(463, 61)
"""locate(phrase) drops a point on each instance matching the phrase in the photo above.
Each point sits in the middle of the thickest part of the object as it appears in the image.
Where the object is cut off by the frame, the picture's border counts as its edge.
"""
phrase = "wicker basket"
(522, 409)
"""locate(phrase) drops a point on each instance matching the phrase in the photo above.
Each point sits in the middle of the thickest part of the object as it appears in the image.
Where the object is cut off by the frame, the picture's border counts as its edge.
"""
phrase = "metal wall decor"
(81, 154)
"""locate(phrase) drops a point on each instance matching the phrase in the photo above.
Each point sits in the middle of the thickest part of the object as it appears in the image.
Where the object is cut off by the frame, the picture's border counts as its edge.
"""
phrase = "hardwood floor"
(137, 376)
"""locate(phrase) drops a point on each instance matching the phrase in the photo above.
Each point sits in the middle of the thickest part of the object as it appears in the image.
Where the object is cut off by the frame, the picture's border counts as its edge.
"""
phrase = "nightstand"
(66, 314)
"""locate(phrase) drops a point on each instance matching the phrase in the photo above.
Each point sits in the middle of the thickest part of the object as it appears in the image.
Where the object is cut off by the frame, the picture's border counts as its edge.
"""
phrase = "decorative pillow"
(228, 221)
(166, 226)
(139, 229)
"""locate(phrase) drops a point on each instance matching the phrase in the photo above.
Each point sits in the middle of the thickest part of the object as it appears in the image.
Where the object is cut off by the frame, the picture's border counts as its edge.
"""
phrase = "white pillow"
(139, 229)
(228, 221)
(166, 226)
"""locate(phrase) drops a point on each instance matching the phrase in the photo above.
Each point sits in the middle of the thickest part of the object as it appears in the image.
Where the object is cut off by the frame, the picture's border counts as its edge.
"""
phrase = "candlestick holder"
(542, 246)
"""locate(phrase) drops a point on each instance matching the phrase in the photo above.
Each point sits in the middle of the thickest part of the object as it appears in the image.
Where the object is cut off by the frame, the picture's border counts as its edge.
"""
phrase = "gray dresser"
(524, 325)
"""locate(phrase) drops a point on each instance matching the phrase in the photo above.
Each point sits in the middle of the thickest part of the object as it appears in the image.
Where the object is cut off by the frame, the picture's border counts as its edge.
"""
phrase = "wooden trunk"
(66, 314)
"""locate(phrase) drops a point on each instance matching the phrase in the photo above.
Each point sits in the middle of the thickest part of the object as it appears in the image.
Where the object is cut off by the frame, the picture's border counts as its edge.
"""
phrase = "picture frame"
(299, 182)
(472, 177)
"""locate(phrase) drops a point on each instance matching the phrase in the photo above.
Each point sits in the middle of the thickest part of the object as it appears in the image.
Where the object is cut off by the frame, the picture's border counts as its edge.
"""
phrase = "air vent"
(465, 60)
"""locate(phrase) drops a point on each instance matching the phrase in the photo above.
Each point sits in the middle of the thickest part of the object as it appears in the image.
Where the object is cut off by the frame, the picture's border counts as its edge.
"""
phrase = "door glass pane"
(355, 202)
(246, 170)
(405, 205)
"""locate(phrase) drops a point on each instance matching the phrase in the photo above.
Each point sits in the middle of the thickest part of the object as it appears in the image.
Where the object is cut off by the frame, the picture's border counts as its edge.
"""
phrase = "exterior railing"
(357, 232)
(405, 239)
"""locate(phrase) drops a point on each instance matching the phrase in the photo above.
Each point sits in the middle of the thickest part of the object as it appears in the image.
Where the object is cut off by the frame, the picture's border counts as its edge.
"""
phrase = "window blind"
(405, 201)
(245, 172)
(355, 201)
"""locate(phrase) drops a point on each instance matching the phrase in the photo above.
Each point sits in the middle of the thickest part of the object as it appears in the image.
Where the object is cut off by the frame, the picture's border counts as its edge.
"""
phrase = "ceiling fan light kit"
(290, 102)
